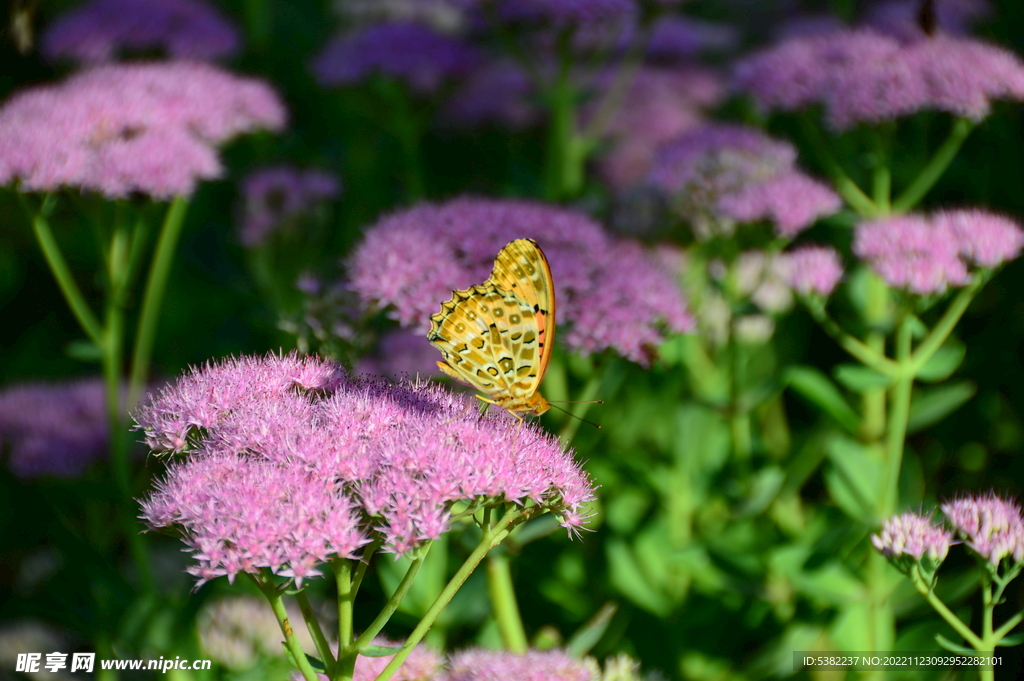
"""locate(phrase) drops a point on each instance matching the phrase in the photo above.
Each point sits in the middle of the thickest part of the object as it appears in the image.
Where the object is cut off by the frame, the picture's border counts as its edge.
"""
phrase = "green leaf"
(315, 662)
(629, 579)
(83, 351)
(1011, 641)
(855, 478)
(954, 647)
(931, 405)
(587, 636)
(815, 386)
(379, 651)
(943, 363)
(860, 378)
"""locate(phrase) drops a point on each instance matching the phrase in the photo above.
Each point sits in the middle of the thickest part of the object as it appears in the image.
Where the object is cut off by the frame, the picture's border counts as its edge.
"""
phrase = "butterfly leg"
(488, 402)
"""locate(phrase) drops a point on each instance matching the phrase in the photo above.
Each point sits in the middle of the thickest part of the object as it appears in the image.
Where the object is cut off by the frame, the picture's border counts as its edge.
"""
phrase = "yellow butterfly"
(497, 337)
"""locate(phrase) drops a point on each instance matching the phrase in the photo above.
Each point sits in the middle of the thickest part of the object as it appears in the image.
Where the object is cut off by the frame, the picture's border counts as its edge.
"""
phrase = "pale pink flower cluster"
(287, 464)
(991, 526)
(99, 30)
(864, 76)
(149, 128)
(914, 536)
(814, 270)
(479, 664)
(717, 174)
(928, 254)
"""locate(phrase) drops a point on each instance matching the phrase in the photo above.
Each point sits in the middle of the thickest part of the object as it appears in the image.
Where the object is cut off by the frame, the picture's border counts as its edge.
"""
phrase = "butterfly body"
(497, 336)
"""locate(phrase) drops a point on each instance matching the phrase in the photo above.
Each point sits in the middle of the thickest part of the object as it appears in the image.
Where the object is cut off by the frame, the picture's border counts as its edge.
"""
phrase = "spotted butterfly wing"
(497, 336)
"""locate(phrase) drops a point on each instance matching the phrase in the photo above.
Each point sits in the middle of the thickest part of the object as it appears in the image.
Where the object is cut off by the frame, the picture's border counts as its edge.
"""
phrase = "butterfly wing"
(522, 268)
(489, 339)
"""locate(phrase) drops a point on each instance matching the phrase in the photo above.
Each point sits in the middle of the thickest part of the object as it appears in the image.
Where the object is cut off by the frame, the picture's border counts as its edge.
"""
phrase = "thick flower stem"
(845, 186)
(950, 318)
(935, 167)
(492, 536)
(342, 568)
(392, 605)
(323, 648)
(62, 273)
(504, 605)
(274, 596)
(899, 415)
(565, 155)
(153, 297)
(925, 589)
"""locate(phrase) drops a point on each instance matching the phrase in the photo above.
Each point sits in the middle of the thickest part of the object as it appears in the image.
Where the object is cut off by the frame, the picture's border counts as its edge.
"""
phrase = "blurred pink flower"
(149, 128)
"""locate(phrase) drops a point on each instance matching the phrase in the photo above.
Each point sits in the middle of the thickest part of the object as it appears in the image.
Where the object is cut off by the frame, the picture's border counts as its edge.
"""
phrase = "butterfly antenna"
(566, 411)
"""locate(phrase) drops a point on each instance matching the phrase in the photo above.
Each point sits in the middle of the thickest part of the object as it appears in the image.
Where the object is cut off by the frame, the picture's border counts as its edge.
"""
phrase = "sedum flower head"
(561, 12)
(287, 464)
(928, 254)
(56, 429)
(717, 174)
(611, 294)
(663, 103)
(991, 526)
(863, 76)
(275, 196)
(99, 30)
(413, 53)
(149, 128)
(791, 201)
(913, 536)
(478, 664)
(814, 270)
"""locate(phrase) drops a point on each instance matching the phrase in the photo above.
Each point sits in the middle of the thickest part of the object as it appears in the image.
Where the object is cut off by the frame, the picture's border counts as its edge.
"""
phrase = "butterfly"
(497, 337)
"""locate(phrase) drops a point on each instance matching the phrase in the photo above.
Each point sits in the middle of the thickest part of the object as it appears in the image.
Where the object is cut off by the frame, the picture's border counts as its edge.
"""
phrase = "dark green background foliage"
(715, 606)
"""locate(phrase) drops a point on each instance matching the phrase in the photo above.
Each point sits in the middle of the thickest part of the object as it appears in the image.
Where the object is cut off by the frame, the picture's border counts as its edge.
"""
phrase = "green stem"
(847, 188)
(873, 403)
(931, 173)
(563, 171)
(881, 179)
(156, 284)
(323, 648)
(925, 589)
(273, 595)
(1007, 626)
(739, 417)
(504, 605)
(342, 568)
(393, 603)
(492, 536)
(409, 132)
(899, 415)
(866, 354)
(62, 273)
(950, 318)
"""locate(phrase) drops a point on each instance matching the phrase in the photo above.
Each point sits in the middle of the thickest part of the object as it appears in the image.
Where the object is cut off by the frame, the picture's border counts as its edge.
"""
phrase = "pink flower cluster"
(927, 254)
(288, 463)
(413, 53)
(814, 270)
(914, 536)
(662, 103)
(54, 429)
(478, 664)
(149, 128)
(275, 196)
(863, 76)
(991, 526)
(611, 293)
(737, 173)
(99, 30)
